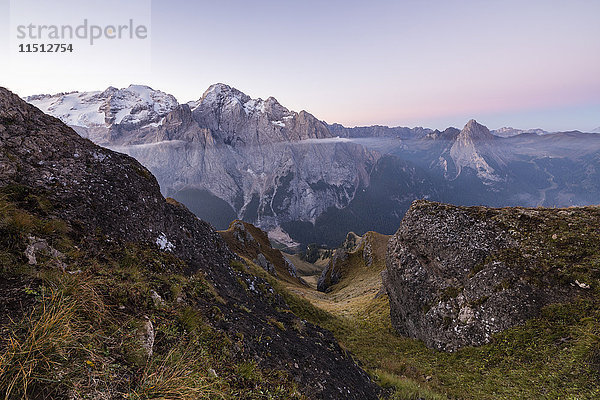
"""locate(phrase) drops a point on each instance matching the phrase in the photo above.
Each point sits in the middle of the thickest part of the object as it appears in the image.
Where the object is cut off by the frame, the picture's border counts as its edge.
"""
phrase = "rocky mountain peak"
(473, 149)
(449, 134)
(110, 91)
(474, 131)
(220, 98)
(221, 93)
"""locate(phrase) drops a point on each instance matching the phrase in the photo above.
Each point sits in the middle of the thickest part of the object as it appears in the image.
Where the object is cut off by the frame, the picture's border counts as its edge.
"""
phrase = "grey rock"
(291, 267)
(39, 246)
(352, 242)
(146, 336)
(265, 264)
(35, 245)
(241, 233)
(333, 271)
(443, 286)
(156, 299)
(366, 245)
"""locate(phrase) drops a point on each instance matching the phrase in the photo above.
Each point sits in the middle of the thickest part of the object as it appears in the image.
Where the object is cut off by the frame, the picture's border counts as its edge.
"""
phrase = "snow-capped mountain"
(229, 156)
(509, 132)
(136, 115)
(249, 158)
(92, 112)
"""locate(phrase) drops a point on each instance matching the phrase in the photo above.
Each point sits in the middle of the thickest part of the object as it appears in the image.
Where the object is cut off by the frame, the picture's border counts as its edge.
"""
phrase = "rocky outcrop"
(265, 264)
(351, 242)
(107, 198)
(332, 273)
(457, 275)
(368, 249)
(364, 250)
(253, 244)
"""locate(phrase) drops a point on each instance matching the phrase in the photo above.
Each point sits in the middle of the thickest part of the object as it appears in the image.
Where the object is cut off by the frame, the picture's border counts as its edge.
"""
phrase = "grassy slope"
(76, 333)
(555, 356)
(309, 272)
(261, 244)
(81, 334)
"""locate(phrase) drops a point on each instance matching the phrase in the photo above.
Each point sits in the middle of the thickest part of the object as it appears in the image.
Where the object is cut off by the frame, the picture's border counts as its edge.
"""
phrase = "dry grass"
(31, 360)
(554, 356)
(177, 376)
(80, 336)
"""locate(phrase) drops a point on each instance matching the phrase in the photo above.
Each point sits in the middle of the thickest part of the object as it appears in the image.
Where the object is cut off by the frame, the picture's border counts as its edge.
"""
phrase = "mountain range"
(227, 156)
(109, 290)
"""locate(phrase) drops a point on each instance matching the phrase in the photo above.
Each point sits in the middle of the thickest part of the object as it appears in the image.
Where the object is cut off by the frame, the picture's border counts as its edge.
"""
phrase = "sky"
(533, 64)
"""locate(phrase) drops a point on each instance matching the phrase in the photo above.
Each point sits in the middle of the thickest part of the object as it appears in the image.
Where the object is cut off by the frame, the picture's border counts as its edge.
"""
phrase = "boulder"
(457, 275)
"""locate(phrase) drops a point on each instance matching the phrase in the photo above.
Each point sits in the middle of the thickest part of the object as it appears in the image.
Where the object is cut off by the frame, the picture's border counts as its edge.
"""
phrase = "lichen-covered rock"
(351, 242)
(365, 250)
(457, 275)
(241, 233)
(291, 268)
(367, 245)
(38, 247)
(146, 336)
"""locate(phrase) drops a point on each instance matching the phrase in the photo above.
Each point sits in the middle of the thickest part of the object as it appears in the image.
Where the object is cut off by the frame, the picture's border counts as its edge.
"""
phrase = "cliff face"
(457, 275)
(108, 199)
(267, 165)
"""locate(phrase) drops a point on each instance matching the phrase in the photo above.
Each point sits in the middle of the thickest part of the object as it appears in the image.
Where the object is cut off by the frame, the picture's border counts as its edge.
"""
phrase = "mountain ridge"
(291, 173)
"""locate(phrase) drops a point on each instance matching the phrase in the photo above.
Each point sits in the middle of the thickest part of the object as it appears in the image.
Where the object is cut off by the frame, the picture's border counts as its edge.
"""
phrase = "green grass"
(81, 336)
(554, 356)
(551, 357)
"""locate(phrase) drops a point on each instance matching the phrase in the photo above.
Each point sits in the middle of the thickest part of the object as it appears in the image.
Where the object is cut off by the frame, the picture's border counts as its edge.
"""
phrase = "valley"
(299, 200)
(539, 359)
